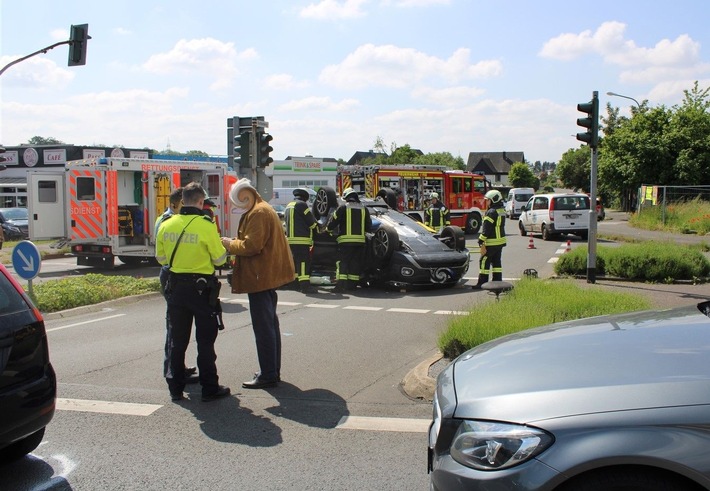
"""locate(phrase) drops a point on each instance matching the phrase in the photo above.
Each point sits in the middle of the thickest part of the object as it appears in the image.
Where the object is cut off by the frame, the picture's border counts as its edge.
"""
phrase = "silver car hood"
(647, 359)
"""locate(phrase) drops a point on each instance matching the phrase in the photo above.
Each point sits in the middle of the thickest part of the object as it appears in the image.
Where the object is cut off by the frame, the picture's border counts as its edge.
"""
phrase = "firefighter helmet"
(494, 196)
(301, 193)
(348, 192)
(434, 195)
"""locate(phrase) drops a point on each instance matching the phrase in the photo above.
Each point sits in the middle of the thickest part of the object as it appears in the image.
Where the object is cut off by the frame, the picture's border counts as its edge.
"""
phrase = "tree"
(521, 176)
(574, 168)
(441, 158)
(403, 155)
(39, 140)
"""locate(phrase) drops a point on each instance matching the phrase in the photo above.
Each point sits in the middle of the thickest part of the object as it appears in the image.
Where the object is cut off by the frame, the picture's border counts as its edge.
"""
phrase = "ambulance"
(105, 208)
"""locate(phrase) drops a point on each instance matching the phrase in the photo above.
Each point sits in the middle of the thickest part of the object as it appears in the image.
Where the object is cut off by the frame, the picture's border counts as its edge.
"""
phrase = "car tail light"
(106, 250)
(552, 209)
(78, 248)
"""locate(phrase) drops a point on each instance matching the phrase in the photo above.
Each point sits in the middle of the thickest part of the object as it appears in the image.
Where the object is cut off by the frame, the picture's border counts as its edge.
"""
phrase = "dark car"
(28, 385)
(14, 222)
(400, 252)
(619, 402)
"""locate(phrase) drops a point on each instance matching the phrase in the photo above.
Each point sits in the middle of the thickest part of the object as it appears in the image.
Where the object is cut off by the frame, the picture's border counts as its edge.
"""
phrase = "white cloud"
(35, 73)
(59, 34)
(449, 96)
(206, 56)
(415, 3)
(122, 31)
(610, 43)
(284, 81)
(395, 67)
(333, 9)
(320, 104)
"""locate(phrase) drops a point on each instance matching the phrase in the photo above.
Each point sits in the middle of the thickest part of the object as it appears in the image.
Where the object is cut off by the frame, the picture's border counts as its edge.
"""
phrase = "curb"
(417, 384)
(97, 307)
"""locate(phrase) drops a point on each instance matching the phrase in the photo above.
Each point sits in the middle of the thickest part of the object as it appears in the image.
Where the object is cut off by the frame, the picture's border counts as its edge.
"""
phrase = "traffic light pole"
(592, 235)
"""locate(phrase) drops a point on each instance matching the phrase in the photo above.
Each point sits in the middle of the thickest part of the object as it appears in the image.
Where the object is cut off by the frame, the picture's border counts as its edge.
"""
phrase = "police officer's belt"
(191, 277)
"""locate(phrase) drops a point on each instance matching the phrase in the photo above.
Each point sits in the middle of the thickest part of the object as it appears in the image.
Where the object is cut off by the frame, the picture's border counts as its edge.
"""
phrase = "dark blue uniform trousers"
(185, 304)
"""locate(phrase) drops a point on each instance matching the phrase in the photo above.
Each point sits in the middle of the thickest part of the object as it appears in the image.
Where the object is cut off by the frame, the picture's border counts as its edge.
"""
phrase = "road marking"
(362, 307)
(107, 407)
(409, 311)
(450, 312)
(321, 306)
(553, 260)
(85, 322)
(367, 423)
(241, 300)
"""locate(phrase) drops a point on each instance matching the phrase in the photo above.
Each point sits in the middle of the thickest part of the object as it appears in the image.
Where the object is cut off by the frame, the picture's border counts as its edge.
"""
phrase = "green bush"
(532, 303)
(646, 261)
(67, 293)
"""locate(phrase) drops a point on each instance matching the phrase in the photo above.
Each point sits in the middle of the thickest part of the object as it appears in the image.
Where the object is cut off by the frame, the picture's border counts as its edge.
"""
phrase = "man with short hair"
(188, 243)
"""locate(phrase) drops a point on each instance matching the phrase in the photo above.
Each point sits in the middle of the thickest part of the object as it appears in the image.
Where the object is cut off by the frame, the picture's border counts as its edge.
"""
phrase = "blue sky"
(331, 76)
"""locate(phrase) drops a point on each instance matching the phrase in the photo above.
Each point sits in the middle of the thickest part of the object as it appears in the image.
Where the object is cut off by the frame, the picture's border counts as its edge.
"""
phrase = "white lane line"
(553, 259)
(409, 311)
(363, 307)
(409, 425)
(107, 407)
(289, 304)
(85, 322)
(450, 312)
(321, 306)
(560, 251)
(234, 300)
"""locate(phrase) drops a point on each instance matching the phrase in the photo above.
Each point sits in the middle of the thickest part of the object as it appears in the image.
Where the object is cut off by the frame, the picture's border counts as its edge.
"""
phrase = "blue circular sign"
(26, 260)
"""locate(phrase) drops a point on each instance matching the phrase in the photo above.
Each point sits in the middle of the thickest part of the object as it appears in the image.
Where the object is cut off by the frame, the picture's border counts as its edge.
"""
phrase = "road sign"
(26, 260)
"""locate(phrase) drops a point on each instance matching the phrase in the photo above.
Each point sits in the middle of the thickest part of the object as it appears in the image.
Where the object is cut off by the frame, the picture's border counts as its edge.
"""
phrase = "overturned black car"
(400, 252)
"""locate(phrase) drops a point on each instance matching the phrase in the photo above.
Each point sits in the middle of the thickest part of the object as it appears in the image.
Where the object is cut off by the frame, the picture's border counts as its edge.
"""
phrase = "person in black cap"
(300, 224)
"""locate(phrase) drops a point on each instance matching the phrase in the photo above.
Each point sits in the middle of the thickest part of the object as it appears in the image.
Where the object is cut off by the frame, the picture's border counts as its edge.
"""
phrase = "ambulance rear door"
(46, 204)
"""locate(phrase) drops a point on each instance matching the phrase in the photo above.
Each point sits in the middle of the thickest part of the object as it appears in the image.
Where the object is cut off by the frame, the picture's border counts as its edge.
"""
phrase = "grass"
(532, 303)
(8, 246)
(88, 289)
(683, 217)
(657, 262)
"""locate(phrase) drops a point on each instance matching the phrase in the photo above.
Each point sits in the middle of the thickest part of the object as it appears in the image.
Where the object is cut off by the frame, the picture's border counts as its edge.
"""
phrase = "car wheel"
(584, 235)
(383, 243)
(388, 196)
(21, 447)
(546, 235)
(325, 200)
(454, 237)
(523, 232)
(473, 223)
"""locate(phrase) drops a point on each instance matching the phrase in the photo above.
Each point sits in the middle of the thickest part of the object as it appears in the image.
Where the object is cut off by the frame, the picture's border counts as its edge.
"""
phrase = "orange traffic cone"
(531, 244)
(569, 246)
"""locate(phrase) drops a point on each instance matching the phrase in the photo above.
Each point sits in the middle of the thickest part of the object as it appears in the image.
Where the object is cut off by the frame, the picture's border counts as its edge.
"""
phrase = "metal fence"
(663, 196)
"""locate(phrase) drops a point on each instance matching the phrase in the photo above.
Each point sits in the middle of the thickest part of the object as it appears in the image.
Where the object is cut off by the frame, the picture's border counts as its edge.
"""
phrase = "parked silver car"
(608, 403)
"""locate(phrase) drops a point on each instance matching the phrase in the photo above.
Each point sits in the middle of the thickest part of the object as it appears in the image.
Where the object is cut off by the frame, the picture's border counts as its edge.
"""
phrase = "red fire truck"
(462, 192)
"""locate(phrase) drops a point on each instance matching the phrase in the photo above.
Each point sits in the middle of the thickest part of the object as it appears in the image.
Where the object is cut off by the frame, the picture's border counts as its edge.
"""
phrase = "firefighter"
(352, 220)
(300, 224)
(189, 244)
(437, 215)
(492, 239)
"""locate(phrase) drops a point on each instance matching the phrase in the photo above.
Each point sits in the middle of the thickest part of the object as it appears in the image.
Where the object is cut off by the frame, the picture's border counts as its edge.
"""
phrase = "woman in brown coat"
(263, 263)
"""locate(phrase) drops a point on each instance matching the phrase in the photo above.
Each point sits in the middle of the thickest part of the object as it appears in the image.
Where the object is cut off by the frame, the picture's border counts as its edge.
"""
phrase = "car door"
(540, 212)
(526, 216)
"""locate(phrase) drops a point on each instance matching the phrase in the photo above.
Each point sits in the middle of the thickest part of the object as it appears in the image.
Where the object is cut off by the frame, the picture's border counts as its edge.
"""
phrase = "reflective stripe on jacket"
(493, 229)
(353, 220)
(300, 223)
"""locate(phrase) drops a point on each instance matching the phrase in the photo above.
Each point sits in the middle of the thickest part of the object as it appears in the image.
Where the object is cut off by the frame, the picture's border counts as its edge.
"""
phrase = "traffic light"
(591, 122)
(264, 147)
(241, 150)
(78, 41)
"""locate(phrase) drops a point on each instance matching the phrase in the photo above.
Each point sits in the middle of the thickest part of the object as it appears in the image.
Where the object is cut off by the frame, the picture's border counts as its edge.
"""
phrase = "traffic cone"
(531, 244)
(569, 246)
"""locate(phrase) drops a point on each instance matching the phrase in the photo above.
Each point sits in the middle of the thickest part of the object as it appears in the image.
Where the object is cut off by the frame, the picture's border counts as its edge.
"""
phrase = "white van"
(517, 197)
(553, 214)
(283, 196)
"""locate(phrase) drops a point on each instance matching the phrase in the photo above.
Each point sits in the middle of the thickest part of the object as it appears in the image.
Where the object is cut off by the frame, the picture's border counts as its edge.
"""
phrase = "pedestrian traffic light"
(78, 41)
(241, 150)
(264, 147)
(591, 122)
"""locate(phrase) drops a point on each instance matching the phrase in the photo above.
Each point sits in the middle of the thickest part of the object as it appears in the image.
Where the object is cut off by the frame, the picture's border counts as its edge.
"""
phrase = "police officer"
(300, 224)
(492, 239)
(437, 215)
(352, 220)
(189, 244)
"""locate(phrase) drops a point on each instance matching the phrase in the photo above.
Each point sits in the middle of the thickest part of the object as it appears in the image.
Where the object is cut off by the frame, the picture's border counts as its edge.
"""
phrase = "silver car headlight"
(488, 446)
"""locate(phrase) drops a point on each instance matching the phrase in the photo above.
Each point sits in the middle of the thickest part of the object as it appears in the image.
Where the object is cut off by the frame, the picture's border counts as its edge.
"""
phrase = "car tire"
(473, 223)
(546, 235)
(584, 235)
(22, 447)
(388, 196)
(454, 237)
(325, 201)
(523, 232)
(383, 243)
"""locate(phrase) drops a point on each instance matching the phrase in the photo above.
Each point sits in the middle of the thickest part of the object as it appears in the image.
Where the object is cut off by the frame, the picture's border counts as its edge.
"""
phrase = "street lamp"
(625, 97)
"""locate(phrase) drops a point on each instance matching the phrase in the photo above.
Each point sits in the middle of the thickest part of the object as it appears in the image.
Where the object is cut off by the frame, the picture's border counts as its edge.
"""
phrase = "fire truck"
(107, 207)
(462, 192)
